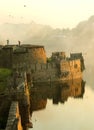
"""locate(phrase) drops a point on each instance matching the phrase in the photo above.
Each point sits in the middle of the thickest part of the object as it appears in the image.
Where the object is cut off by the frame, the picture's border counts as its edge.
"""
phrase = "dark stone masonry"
(30, 65)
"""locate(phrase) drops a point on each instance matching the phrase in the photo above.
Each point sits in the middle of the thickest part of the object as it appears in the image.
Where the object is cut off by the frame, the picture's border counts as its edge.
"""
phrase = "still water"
(62, 106)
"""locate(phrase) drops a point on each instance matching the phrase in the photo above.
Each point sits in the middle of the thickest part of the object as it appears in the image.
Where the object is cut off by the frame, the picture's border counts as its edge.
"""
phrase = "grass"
(4, 74)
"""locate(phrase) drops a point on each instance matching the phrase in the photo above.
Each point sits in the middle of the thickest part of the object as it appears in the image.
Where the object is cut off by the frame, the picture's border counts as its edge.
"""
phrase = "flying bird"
(24, 5)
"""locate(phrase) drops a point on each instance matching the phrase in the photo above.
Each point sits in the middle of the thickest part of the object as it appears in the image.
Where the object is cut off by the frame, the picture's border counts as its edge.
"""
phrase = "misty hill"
(78, 39)
(34, 33)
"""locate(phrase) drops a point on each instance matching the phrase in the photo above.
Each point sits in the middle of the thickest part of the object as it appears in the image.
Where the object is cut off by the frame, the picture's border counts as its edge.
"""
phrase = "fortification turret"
(21, 54)
(58, 56)
(74, 56)
(29, 54)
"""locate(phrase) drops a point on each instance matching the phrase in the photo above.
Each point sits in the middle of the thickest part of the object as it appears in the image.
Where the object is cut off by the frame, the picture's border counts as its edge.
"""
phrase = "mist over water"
(71, 112)
(75, 114)
(78, 39)
(62, 107)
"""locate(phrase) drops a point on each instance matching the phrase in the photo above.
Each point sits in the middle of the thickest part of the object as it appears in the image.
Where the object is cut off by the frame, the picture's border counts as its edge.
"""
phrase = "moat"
(71, 113)
(31, 79)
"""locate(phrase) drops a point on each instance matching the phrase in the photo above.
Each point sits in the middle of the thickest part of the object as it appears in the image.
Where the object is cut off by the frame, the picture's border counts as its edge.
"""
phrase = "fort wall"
(29, 63)
(66, 70)
(32, 59)
(14, 120)
(70, 69)
(32, 55)
(25, 54)
(6, 57)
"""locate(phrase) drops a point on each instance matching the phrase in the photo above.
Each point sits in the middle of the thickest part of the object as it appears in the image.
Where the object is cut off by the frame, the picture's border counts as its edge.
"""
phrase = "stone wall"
(6, 57)
(5, 103)
(11, 55)
(37, 55)
(58, 55)
(41, 72)
(70, 69)
(14, 120)
(65, 70)
(33, 55)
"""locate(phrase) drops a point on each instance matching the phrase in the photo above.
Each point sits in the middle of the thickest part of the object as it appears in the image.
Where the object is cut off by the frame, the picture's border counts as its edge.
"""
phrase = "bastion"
(25, 54)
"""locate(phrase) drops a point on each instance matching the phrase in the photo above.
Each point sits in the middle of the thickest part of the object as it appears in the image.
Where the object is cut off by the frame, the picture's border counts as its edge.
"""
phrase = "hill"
(77, 39)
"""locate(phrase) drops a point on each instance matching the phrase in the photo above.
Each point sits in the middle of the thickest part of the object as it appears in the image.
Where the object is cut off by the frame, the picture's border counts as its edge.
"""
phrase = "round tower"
(35, 53)
(29, 54)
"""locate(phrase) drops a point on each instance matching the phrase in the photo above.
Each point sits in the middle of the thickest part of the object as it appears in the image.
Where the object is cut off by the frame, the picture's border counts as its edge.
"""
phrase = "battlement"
(32, 58)
(35, 67)
(65, 70)
(76, 55)
(58, 55)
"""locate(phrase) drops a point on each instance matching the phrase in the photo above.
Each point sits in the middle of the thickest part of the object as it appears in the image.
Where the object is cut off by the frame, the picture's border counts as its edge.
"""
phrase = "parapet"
(14, 121)
(76, 55)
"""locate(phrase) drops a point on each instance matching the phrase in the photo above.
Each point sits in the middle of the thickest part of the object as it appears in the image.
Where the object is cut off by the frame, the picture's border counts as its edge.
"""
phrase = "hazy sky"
(57, 13)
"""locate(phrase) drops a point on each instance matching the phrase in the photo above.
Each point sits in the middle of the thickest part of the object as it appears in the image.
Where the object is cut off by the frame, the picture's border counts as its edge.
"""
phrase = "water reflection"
(88, 76)
(57, 92)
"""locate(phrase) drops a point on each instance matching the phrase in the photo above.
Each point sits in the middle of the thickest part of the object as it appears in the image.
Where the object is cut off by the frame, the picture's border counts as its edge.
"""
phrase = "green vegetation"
(49, 60)
(4, 74)
(5, 104)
